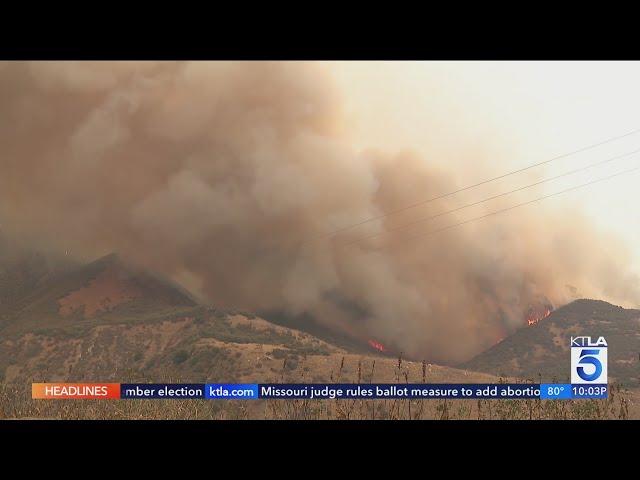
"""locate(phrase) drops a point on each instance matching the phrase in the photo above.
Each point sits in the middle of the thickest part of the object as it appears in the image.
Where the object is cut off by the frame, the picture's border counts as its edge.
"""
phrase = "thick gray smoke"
(226, 176)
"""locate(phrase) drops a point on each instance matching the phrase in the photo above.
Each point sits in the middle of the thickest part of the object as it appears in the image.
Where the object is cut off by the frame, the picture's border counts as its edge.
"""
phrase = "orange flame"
(534, 317)
(377, 345)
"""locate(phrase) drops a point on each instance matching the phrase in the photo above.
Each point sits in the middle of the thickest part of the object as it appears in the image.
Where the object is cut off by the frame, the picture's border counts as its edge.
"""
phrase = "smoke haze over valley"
(229, 178)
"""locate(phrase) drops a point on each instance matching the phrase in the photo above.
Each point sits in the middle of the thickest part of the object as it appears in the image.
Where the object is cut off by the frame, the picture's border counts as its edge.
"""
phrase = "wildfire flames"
(534, 316)
(377, 345)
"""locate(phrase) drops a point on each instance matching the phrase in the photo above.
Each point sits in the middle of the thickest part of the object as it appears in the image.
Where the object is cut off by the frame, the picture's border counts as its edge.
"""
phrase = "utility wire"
(484, 182)
(448, 227)
(447, 212)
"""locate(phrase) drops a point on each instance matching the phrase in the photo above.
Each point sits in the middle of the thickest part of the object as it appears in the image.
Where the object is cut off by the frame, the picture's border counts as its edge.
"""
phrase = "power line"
(544, 197)
(493, 197)
(484, 182)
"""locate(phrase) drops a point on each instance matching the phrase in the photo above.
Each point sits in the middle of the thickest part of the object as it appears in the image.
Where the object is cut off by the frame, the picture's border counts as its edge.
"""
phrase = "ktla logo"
(588, 360)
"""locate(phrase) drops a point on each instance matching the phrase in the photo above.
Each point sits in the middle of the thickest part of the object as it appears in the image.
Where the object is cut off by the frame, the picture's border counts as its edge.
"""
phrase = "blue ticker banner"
(231, 391)
(375, 391)
(589, 391)
(173, 391)
(323, 391)
(555, 391)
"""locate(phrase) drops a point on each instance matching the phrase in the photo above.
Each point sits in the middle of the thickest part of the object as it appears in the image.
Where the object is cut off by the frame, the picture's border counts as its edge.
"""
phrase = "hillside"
(75, 299)
(543, 349)
(21, 272)
(108, 321)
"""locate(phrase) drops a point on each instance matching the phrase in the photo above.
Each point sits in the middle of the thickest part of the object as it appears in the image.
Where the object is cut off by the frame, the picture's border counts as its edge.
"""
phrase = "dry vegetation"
(163, 336)
(15, 403)
(615, 407)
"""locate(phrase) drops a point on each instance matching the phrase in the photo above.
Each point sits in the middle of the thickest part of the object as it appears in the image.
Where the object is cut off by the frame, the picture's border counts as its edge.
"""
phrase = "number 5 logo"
(587, 358)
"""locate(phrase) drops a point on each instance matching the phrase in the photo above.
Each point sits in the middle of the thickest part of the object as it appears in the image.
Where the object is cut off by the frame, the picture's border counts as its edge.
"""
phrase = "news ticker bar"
(320, 391)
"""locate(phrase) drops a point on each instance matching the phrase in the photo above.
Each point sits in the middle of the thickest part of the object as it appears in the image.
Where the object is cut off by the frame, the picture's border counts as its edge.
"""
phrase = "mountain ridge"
(542, 350)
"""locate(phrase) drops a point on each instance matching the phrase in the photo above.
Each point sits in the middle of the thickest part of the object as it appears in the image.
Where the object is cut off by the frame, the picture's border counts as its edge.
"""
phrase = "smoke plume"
(228, 176)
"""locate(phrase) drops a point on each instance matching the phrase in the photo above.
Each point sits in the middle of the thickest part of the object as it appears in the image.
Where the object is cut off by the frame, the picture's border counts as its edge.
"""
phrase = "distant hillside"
(21, 272)
(81, 297)
(544, 348)
(109, 321)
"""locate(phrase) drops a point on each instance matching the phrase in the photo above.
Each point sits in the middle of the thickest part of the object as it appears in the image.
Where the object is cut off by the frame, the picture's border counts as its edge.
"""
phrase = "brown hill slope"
(101, 292)
(21, 272)
(543, 349)
(108, 321)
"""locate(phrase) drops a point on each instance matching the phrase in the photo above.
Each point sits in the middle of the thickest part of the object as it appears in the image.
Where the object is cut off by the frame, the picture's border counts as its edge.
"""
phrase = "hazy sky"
(516, 114)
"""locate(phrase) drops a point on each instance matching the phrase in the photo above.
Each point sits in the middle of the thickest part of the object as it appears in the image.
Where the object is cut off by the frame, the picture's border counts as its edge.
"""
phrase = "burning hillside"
(377, 346)
(544, 350)
(535, 314)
